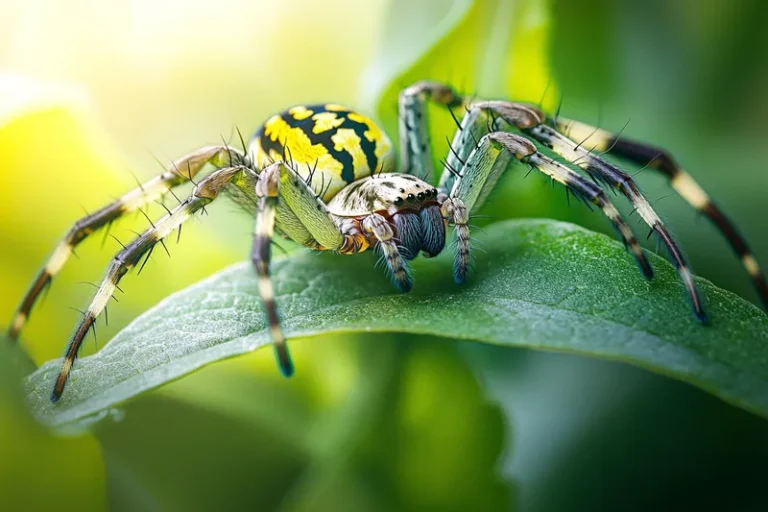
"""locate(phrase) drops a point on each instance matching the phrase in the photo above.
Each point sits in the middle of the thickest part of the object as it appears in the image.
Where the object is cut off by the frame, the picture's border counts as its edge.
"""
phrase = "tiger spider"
(323, 176)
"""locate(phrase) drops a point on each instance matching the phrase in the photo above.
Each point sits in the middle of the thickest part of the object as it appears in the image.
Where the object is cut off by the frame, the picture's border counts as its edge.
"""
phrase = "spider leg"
(396, 265)
(415, 150)
(489, 159)
(261, 255)
(183, 170)
(482, 118)
(278, 185)
(614, 177)
(683, 183)
(205, 192)
(456, 212)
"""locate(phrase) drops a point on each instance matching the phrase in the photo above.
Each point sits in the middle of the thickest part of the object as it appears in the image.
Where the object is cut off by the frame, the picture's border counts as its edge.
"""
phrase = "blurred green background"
(93, 92)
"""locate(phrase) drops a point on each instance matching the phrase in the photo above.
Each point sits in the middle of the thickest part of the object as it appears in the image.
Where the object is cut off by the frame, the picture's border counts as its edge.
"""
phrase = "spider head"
(415, 213)
(386, 193)
(410, 204)
(404, 193)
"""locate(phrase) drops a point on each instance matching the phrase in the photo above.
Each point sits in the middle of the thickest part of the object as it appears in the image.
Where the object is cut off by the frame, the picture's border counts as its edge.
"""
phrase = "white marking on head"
(390, 192)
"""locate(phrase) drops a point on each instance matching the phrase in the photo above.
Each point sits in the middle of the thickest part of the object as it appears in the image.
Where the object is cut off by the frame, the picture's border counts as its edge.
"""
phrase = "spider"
(325, 177)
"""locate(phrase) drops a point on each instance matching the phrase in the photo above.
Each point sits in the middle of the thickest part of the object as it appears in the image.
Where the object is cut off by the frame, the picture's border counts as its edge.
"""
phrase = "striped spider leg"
(204, 193)
(415, 146)
(480, 154)
(184, 169)
(598, 140)
(397, 214)
(287, 199)
(614, 177)
(323, 176)
(569, 140)
(416, 159)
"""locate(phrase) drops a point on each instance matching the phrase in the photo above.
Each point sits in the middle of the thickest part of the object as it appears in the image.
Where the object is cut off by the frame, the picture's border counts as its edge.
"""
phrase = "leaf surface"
(537, 283)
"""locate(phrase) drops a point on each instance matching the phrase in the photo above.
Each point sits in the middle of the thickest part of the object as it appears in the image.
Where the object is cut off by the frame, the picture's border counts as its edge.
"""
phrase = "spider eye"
(434, 192)
(420, 195)
(398, 201)
(410, 197)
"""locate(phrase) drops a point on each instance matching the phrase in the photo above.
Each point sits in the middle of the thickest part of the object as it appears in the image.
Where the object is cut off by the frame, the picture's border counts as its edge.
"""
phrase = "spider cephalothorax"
(405, 202)
(325, 177)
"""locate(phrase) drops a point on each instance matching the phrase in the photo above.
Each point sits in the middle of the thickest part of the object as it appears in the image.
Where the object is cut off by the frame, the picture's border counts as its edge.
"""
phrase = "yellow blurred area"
(68, 469)
(52, 164)
(527, 70)
(117, 86)
(94, 94)
(38, 469)
(168, 76)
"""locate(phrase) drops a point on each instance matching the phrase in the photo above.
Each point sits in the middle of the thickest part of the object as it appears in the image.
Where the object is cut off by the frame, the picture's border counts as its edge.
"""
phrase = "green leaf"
(267, 441)
(39, 469)
(538, 284)
(491, 48)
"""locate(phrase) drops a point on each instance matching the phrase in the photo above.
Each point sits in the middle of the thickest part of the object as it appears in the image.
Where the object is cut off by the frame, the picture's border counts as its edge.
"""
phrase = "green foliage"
(538, 284)
(385, 413)
(38, 469)
(388, 444)
(472, 47)
(467, 48)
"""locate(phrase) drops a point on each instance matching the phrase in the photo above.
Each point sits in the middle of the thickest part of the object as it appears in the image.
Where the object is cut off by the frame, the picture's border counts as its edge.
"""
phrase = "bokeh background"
(95, 93)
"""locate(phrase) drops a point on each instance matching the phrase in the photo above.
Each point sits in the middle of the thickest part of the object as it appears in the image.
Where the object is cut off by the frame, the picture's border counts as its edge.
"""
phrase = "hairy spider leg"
(482, 118)
(261, 255)
(604, 172)
(490, 157)
(661, 161)
(479, 121)
(184, 169)
(204, 193)
(457, 214)
(396, 266)
(415, 146)
(278, 184)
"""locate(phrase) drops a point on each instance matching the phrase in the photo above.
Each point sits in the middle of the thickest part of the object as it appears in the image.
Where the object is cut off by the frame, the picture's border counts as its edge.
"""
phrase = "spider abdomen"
(329, 145)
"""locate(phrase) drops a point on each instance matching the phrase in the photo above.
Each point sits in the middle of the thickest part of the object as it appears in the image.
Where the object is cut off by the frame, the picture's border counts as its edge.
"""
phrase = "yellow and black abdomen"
(330, 145)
